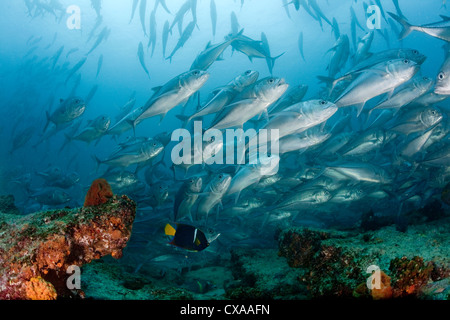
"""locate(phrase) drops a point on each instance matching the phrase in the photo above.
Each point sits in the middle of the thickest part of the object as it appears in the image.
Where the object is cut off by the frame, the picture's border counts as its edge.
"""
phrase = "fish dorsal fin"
(445, 18)
(208, 45)
(156, 89)
(169, 230)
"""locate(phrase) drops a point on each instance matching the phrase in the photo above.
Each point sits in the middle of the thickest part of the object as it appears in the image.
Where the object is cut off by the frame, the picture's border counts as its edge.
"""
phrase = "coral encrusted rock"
(37, 250)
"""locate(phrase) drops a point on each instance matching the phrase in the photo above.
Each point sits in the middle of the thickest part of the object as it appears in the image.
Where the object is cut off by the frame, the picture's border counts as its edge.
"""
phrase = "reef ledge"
(39, 252)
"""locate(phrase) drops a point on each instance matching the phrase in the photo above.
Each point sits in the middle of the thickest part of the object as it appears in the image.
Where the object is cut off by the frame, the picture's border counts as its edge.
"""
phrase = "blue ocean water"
(39, 49)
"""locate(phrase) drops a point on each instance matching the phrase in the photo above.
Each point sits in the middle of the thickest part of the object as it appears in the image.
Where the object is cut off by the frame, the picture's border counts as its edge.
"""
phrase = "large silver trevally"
(361, 171)
(381, 78)
(173, 93)
(417, 119)
(304, 199)
(226, 94)
(293, 95)
(301, 116)
(362, 144)
(126, 123)
(251, 174)
(266, 92)
(95, 130)
(214, 192)
(383, 56)
(69, 110)
(341, 51)
(303, 141)
(405, 94)
(363, 47)
(443, 78)
(251, 48)
(186, 197)
(133, 154)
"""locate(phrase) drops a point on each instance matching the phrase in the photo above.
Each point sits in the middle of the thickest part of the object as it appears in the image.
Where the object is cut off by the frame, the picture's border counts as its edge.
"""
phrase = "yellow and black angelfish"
(187, 237)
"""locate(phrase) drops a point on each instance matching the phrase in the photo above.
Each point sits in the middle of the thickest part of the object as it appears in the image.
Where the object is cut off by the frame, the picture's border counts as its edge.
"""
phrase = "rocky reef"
(382, 264)
(38, 250)
(7, 205)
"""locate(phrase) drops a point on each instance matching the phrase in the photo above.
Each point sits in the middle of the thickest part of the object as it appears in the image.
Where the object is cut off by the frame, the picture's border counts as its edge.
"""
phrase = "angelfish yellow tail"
(169, 230)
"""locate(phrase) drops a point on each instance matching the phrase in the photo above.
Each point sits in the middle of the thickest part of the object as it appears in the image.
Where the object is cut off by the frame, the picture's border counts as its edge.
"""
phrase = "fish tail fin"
(169, 230)
(237, 35)
(184, 119)
(329, 81)
(133, 124)
(275, 58)
(68, 139)
(407, 28)
(97, 161)
(47, 115)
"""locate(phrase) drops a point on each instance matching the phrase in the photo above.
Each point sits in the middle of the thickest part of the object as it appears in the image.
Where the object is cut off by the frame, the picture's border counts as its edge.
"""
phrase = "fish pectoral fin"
(360, 108)
(161, 118)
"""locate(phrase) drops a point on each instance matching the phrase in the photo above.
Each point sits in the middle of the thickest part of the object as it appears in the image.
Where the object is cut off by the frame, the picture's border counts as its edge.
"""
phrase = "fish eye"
(406, 61)
(323, 102)
(441, 76)
(196, 73)
(248, 72)
(271, 80)
(220, 176)
(415, 52)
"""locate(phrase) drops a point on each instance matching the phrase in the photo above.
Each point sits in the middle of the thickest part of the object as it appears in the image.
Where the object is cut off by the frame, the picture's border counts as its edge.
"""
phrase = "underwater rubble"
(38, 250)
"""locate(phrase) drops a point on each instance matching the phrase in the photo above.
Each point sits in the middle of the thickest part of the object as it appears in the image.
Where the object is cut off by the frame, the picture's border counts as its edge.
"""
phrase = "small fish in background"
(132, 153)
(152, 35)
(75, 69)
(163, 4)
(133, 9)
(185, 36)
(186, 197)
(103, 36)
(68, 110)
(213, 12)
(300, 45)
(142, 9)
(94, 131)
(97, 6)
(179, 17)
(142, 58)
(99, 65)
(165, 37)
